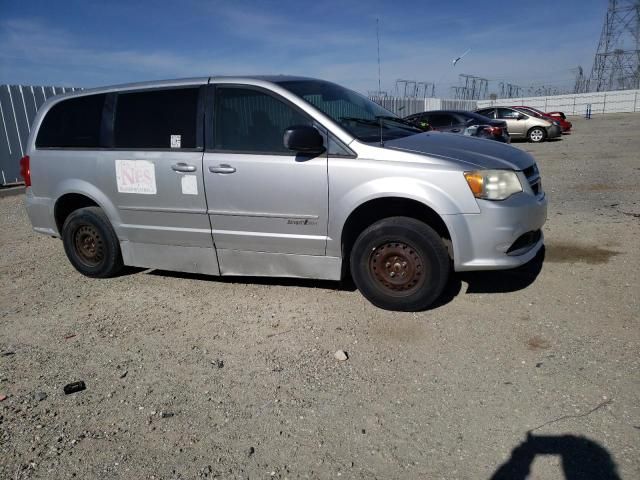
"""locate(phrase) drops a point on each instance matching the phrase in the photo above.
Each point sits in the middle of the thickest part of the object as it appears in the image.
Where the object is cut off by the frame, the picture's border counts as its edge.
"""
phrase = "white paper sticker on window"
(189, 184)
(136, 176)
(176, 141)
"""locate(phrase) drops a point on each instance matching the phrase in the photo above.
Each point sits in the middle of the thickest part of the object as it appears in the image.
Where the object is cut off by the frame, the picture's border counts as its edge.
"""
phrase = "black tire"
(537, 135)
(400, 263)
(90, 243)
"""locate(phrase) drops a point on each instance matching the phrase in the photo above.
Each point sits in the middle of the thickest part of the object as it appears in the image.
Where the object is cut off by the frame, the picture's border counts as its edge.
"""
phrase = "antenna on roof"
(379, 76)
(378, 39)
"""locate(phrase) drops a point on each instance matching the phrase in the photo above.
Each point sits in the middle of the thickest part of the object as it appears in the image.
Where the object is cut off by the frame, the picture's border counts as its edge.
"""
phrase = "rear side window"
(251, 121)
(156, 119)
(73, 123)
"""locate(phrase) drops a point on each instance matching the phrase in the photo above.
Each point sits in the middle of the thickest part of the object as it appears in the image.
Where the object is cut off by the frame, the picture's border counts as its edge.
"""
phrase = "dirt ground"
(197, 377)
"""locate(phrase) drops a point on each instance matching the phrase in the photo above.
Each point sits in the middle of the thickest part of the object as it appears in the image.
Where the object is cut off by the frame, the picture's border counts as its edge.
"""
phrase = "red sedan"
(559, 117)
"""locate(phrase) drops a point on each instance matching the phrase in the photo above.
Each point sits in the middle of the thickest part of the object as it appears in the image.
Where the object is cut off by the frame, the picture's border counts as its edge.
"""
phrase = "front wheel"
(400, 263)
(91, 244)
(537, 135)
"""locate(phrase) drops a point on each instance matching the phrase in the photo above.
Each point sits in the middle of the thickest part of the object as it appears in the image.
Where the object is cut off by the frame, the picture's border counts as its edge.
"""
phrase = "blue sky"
(89, 43)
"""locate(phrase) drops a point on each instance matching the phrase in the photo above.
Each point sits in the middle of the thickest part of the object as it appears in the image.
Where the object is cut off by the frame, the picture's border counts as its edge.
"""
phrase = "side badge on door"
(306, 221)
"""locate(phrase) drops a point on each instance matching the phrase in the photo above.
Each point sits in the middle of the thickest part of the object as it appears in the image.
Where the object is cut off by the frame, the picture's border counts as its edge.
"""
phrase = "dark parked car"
(466, 123)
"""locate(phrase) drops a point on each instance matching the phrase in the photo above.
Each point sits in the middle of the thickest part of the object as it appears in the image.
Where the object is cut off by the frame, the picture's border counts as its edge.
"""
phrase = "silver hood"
(476, 152)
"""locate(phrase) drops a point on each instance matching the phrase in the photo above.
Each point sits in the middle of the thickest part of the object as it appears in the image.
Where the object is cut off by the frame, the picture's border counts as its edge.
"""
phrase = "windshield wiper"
(386, 118)
(382, 122)
(401, 121)
(365, 121)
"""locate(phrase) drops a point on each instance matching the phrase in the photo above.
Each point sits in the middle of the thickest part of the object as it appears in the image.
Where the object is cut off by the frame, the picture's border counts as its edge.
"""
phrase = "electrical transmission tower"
(414, 89)
(426, 89)
(474, 88)
(509, 90)
(617, 62)
(582, 83)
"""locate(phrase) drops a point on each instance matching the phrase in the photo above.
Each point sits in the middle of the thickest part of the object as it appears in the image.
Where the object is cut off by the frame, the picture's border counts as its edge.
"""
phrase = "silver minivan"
(276, 176)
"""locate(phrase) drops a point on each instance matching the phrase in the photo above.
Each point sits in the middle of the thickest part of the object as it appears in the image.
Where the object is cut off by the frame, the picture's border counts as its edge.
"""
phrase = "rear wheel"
(91, 244)
(537, 135)
(400, 263)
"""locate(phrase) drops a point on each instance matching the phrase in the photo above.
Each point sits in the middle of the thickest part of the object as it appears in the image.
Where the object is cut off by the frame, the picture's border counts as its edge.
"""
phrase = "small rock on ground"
(341, 355)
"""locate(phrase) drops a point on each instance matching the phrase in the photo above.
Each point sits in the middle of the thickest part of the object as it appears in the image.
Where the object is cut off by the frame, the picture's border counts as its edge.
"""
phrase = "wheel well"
(69, 203)
(374, 210)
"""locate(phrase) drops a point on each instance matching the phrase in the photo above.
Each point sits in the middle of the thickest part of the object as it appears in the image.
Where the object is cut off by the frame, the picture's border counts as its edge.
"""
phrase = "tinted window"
(438, 120)
(507, 113)
(157, 119)
(73, 123)
(252, 121)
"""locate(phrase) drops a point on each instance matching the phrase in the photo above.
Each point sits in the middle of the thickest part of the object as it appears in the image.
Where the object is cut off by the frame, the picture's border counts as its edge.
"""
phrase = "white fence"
(576, 104)
(620, 101)
(18, 107)
(407, 106)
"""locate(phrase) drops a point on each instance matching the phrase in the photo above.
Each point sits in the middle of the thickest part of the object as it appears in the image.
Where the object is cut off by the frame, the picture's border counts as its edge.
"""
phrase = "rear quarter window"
(72, 123)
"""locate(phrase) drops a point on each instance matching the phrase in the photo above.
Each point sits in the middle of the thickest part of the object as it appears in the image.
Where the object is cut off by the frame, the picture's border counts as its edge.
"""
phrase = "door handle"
(183, 167)
(222, 168)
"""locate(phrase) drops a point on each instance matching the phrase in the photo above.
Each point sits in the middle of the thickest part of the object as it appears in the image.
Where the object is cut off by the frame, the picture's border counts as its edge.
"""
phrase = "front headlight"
(493, 184)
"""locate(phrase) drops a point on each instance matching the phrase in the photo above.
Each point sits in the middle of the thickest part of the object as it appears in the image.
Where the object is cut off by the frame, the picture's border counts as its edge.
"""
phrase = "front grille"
(524, 243)
(533, 176)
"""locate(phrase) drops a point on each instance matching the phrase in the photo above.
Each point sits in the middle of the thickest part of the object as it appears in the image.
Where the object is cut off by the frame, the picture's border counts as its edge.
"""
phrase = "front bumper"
(493, 239)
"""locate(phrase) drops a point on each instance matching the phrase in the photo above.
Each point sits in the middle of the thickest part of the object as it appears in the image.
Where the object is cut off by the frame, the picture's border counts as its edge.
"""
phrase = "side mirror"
(303, 139)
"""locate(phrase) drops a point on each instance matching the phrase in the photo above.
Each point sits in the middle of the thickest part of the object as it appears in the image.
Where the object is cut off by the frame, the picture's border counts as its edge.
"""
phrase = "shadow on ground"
(582, 458)
(345, 285)
(502, 281)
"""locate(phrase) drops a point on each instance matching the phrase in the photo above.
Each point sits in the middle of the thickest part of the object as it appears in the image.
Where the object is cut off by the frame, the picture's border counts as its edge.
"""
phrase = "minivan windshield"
(362, 118)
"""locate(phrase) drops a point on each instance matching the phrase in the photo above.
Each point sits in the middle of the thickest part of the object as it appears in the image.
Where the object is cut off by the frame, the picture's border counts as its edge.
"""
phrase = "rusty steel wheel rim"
(397, 267)
(89, 245)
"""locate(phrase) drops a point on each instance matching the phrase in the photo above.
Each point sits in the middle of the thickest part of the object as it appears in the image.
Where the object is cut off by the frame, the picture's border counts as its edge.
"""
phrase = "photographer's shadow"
(582, 458)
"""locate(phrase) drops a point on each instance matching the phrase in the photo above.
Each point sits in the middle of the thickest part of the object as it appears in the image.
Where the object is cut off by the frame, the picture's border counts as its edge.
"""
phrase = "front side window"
(362, 118)
(156, 119)
(249, 120)
(72, 123)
